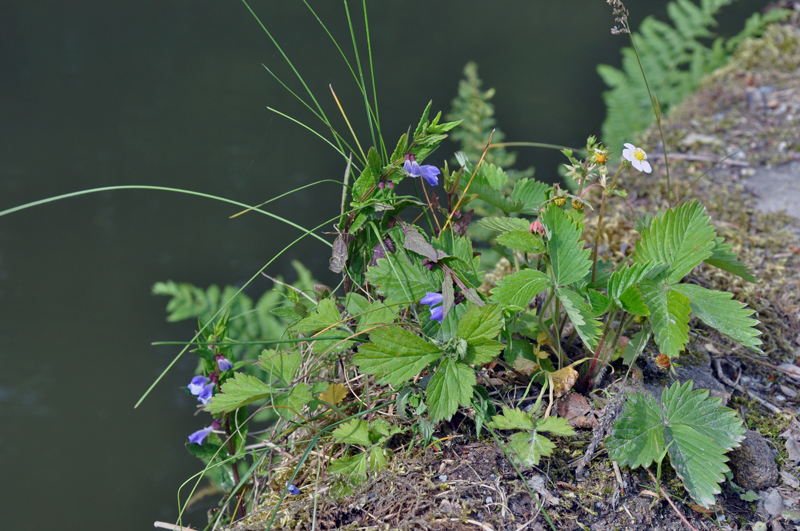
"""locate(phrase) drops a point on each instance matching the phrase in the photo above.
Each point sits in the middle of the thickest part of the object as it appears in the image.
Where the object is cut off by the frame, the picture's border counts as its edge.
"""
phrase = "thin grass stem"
(362, 84)
(358, 144)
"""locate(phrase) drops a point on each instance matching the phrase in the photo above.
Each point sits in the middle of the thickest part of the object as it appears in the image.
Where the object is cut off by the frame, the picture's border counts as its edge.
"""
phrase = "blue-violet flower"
(197, 384)
(434, 299)
(294, 491)
(200, 435)
(426, 171)
(224, 363)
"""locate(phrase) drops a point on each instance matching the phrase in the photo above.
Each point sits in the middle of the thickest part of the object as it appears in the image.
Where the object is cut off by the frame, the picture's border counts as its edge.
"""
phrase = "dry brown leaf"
(334, 394)
(577, 411)
(563, 380)
(525, 366)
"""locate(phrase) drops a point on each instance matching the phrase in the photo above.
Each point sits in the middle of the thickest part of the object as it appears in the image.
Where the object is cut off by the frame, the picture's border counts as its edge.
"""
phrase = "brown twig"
(685, 521)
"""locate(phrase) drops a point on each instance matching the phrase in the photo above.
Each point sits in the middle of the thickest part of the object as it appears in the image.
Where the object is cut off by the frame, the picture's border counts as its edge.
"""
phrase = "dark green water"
(172, 93)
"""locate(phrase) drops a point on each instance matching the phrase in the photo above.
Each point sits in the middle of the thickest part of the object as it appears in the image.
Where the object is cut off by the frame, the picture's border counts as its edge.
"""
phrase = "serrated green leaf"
(632, 302)
(349, 466)
(630, 275)
(513, 419)
(450, 387)
(519, 288)
(421, 126)
(401, 279)
(205, 451)
(503, 224)
(374, 162)
(281, 366)
(522, 240)
(291, 403)
(239, 391)
(326, 315)
(529, 447)
(719, 311)
(400, 150)
(600, 303)
(376, 459)
(723, 258)
(531, 193)
(669, 316)
(636, 346)
(354, 432)
(682, 237)
(569, 260)
(397, 353)
(693, 428)
(556, 426)
(479, 327)
(581, 315)
(362, 184)
(368, 315)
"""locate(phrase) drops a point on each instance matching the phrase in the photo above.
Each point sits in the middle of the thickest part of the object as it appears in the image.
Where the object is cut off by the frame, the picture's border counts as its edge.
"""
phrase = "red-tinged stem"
(685, 521)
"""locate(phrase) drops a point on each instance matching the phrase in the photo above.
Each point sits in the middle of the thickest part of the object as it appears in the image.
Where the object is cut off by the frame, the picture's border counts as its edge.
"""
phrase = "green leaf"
(556, 426)
(717, 310)
(377, 459)
(205, 451)
(626, 276)
(298, 396)
(450, 387)
(281, 366)
(237, 392)
(374, 162)
(326, 315)
(421, 126)
(349, 466)
(531, 193)
(368, 314)
(600, 303)
(503, 224)
(681, 237)
(400, 150)
(529, 447)
(354, 432)
(749, 496)
(519, 288)
(513, 419)
(636, 346)
(522, 240)
(397, 353)
(569, 260)
(362, 184)
(402, 280)
(723, 258)
(670, 316)
(581, 315)
(480, 326)
(693, 428)
(632, 302)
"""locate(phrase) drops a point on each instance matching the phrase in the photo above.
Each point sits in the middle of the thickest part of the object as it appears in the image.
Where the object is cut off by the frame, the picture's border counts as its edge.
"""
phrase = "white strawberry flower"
(637, 158)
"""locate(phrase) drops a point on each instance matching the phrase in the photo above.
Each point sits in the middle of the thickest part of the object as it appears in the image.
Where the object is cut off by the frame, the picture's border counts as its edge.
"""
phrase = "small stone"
(788, 391)
(790, 480)
(752, 463)
(489, 500)
(443, 478)
(774, 503)
(492, 477)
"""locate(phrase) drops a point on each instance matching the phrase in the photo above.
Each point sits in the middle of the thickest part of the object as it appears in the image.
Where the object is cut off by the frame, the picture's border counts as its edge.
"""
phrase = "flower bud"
(577, 205)
(560, 200)
(662, 362)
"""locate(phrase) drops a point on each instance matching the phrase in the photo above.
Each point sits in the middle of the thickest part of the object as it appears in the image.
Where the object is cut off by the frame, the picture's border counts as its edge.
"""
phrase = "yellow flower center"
(601, 158)
(639, 154)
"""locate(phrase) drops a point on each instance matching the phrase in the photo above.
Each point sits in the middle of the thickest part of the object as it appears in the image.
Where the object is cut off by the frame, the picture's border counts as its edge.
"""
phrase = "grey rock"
(777, 188)
(752, 463)
(773, 504)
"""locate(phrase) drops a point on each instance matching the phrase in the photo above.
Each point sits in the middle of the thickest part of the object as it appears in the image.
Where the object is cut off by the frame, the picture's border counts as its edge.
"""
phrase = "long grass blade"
(298, 122)
(532, 144)
(374, 90)
(348, 123)
(362, 84)
(283, 195)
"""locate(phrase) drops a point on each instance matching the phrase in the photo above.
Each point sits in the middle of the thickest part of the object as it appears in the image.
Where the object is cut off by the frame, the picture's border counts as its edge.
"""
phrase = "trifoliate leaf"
(479, 327)
(670, 316)
(519, 288)
(354, 432)
(237, 392)
(693, 428)
(288, 404)
(450, 387)
(717, 310)
(570, 261)
(528, 447)
(402, 280)
(397, 353)
(513, 419)
(281, 366)
(349, 466)
(682, 237)
(503, 224)
(325, 316)
(522, 240)
(723, 258)
(556, 426)
(636, 346)
(581, 315)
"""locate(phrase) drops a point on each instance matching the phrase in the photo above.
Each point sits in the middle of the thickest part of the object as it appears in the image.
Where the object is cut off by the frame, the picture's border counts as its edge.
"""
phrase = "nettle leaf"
(368, 314)
(281, 366)
(238, 392)
(326, 315)
(503, 224)
(450, 387)
(291, 403)
(401, 279)
(693, 427)
(522, 240)
(681, 237)
(723, 258)
(569, 260)
(354, 432)
(670, 316)
(349, 466)
(479, 327)
(397, 353)
(519, 288)
(530, 193)
(581, 315)
(719, 311)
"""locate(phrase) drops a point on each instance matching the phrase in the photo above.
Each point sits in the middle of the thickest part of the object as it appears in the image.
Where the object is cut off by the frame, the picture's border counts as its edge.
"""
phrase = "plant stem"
(234, 466)
(685, 521)
(600, 220)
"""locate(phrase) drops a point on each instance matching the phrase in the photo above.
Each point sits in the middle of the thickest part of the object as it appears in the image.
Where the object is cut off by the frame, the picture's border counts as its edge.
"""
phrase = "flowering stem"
(600, 220)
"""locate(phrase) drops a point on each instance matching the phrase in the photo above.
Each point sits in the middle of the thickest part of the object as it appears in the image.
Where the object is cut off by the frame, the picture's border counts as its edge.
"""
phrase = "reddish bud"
(662, 362)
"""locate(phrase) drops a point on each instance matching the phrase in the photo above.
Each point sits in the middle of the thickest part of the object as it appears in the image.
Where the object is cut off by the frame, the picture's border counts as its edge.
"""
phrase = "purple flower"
(197, 384)
(294, 491)
(205, 394)
(434, 299)
(224, 363)
(426, 171)
(200, 435)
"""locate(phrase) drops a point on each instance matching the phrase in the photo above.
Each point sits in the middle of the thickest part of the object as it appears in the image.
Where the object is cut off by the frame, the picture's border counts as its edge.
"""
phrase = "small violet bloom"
(637, 158)
(294, 491)
(434, 299)
(426, 171)
(202, 388)
(224, 363)
(200, 435)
